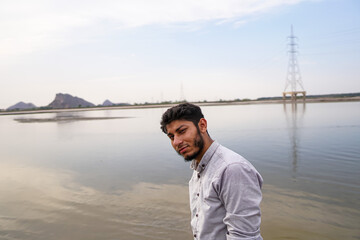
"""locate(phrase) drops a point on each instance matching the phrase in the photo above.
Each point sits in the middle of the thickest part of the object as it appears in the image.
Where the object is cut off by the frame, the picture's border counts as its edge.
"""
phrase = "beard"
(198, 143)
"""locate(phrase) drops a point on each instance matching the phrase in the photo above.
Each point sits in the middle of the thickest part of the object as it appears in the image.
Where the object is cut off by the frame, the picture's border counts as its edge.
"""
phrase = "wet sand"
(290, 214)
(58, 207)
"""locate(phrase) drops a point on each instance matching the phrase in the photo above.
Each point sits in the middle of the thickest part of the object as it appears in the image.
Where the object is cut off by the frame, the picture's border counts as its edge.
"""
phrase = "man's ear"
(202, 125)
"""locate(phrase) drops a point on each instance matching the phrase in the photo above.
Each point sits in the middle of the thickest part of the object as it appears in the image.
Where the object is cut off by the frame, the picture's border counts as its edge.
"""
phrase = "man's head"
(186, 127)
(184, 111)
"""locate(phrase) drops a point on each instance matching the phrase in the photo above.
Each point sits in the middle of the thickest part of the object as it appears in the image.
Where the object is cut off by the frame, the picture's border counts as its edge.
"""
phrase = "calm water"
(113, 174)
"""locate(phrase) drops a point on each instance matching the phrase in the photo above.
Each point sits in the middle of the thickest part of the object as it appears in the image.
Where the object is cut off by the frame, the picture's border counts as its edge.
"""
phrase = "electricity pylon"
(182, 95)
(293, 78)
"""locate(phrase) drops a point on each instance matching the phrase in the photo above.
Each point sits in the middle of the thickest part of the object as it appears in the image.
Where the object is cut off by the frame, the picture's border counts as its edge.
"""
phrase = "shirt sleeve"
(240, 192)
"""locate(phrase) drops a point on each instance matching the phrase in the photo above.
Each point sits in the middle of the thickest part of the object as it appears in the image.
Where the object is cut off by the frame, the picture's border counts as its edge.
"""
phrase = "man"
(225, 189)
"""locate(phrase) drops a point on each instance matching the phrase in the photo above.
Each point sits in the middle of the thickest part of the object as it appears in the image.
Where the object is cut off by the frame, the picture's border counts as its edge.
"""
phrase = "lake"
(112, 174)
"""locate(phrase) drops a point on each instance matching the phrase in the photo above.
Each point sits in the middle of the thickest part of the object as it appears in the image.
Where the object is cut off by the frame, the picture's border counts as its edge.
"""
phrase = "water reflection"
(64, 117)
(294, 113)
(47, 204)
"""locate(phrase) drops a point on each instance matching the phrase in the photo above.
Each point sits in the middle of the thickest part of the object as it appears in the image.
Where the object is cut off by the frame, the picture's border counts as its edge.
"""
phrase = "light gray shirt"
(225, 196)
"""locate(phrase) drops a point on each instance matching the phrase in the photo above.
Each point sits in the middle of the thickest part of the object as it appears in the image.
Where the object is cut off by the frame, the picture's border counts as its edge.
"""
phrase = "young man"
(225, 189)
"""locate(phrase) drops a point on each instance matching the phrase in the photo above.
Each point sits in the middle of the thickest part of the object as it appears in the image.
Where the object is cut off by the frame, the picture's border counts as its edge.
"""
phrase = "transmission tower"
(182, 95)
(293, 84)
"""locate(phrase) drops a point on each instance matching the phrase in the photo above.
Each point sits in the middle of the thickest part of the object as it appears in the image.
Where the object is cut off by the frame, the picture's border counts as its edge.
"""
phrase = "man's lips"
(183, 149)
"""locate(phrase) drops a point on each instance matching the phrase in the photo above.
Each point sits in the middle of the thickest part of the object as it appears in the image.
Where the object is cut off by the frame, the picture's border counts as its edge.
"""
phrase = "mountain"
(21, 106)
(108, 103)
(67, 101)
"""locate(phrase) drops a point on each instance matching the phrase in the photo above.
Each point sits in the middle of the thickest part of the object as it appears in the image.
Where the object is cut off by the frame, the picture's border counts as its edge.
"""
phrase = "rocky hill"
(108, 103)
(21, 106)
(67, 101)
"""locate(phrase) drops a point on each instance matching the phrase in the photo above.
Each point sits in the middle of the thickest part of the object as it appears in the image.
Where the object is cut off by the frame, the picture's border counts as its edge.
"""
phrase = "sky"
(138, 51)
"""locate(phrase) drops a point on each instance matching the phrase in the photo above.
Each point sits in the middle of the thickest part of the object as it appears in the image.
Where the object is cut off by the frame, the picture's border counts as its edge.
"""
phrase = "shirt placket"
(198, 203)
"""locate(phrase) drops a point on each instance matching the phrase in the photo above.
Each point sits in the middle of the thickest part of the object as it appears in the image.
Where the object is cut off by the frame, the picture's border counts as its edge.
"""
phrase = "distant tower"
(182, 95)
(293, 78)
(161, 97)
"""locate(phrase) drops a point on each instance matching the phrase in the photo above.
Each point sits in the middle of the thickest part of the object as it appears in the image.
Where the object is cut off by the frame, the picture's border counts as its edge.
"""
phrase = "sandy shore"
(309, 100)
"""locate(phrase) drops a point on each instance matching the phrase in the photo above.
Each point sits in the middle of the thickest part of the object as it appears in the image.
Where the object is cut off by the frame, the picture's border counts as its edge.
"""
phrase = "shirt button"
(203, 165)
(198, 194)
(197, 215)
(194, 235)
(199, 175)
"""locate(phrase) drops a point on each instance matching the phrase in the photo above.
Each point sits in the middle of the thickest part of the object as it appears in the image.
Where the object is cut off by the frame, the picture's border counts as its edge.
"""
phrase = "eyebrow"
(178, 129)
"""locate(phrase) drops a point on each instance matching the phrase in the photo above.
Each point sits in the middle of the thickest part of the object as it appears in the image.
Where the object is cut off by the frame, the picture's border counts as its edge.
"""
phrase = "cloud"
(28, 26)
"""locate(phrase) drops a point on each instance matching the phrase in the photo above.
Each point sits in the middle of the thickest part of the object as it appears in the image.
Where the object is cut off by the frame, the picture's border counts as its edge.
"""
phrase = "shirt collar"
(205, 159)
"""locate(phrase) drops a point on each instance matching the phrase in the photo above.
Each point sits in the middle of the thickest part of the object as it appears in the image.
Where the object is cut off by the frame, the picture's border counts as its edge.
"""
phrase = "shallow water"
(113, 174)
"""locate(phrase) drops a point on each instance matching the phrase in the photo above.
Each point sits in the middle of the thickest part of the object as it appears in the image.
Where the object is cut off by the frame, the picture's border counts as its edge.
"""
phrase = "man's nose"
(177, 140)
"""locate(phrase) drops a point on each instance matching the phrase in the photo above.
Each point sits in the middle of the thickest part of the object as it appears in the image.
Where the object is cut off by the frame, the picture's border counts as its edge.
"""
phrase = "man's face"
(185, 138)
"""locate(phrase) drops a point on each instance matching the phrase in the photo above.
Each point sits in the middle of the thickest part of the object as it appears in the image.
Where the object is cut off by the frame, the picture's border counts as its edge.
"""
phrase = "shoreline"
(225, 103)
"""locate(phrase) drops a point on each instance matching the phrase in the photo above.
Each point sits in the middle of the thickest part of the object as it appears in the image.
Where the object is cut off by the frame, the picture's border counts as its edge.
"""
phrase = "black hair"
(184, 111)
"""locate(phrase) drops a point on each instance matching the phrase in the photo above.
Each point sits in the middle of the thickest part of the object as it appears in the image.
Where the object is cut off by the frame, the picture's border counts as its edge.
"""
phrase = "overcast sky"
(158, 50)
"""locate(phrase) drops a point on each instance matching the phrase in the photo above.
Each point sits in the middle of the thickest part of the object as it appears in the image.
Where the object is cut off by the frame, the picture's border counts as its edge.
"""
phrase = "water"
(113, 174)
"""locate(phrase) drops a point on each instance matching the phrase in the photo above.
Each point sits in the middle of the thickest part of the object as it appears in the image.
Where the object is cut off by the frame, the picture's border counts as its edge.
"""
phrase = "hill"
(108, 103)
(67, 101)
(21, 106)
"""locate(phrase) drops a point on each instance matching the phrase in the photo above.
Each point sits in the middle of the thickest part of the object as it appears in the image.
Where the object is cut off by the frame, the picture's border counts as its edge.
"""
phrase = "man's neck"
(207, 143)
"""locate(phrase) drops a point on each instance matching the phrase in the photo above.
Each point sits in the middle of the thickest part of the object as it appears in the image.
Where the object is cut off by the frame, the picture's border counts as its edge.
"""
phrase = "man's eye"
(182, 131)
(171, 137)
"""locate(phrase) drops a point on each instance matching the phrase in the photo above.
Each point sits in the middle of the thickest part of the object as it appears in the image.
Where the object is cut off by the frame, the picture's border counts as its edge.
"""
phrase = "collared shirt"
(225, 196)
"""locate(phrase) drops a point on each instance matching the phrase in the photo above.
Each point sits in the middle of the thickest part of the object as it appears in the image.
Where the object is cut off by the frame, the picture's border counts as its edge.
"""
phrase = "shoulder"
(228, 157)
(236, 167)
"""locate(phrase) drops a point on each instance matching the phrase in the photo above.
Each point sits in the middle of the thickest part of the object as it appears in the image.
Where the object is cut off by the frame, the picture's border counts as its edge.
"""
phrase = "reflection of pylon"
(182, 95)
(293, 78)
(294, 120)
